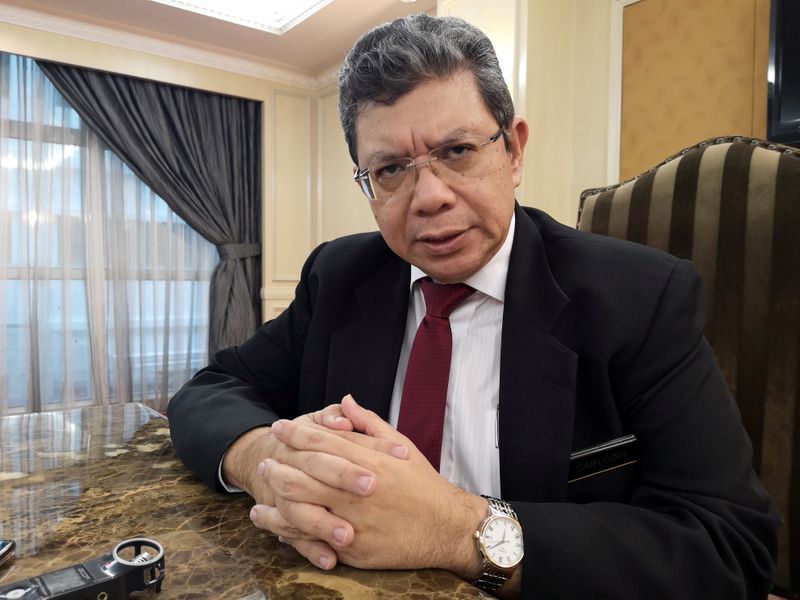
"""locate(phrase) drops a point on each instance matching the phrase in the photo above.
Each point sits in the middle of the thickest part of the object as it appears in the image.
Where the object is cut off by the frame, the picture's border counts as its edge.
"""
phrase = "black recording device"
(134, 565)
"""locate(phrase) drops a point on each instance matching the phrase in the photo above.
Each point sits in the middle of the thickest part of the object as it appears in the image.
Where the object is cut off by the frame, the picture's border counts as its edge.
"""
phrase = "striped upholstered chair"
(732, 206)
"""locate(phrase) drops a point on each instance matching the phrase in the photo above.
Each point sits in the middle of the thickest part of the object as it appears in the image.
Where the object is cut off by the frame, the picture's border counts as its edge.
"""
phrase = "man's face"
(449, 228)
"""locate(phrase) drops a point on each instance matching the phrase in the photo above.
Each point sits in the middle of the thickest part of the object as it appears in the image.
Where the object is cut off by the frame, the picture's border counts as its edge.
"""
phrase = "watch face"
(501, 539)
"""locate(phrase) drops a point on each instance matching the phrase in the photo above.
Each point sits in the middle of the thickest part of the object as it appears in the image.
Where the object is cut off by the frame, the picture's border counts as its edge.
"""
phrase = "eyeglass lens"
(392, 179)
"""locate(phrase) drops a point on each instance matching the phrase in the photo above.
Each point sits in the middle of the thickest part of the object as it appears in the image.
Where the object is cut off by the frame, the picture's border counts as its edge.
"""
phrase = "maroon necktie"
(425, 386)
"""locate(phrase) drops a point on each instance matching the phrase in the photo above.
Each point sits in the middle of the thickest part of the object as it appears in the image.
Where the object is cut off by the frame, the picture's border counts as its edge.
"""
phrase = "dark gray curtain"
(201, 152)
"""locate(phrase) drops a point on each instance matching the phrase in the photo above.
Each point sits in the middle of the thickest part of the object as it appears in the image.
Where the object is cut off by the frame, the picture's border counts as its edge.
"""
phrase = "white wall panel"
(291, 223)
(341, 207)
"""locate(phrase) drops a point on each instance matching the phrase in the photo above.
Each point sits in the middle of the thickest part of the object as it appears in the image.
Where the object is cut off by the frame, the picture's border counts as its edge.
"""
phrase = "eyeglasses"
(393, 179)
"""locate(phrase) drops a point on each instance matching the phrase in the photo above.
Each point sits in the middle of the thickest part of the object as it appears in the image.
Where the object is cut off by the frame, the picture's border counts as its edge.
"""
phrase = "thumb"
(365, 420)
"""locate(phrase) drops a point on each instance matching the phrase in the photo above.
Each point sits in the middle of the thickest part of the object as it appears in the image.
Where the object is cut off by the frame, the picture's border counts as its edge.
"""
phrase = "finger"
(316, 552)
(338, 443)
(299, 521)
(270, 519)
(331, 416)
(316, 523)
(382, 445)
(367, 421)
(308, 476)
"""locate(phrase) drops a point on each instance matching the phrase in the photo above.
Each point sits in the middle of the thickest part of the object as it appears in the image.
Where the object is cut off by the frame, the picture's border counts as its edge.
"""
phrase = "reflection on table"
(75, 483)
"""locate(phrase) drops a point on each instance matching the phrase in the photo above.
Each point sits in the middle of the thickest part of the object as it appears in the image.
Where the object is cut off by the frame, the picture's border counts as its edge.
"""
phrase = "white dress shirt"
(470, 454)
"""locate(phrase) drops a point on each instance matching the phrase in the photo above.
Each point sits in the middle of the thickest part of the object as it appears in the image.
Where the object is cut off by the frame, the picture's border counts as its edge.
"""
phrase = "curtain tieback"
(236, 251)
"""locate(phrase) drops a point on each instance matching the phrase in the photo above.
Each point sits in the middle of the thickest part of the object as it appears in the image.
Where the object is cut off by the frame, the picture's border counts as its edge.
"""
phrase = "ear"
(518, 137)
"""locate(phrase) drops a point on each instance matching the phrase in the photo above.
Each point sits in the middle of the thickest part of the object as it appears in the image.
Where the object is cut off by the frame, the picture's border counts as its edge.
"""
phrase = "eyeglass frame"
(361, 176)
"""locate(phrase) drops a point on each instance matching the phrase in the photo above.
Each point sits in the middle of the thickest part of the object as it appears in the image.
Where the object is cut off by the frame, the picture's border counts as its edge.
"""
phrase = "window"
(103, 289)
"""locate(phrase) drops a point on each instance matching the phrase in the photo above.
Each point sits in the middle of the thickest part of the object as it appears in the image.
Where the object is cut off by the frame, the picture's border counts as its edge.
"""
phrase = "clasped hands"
(341, 485)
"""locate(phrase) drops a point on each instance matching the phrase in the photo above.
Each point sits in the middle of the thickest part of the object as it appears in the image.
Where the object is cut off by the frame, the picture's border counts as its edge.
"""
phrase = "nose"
(431, 192)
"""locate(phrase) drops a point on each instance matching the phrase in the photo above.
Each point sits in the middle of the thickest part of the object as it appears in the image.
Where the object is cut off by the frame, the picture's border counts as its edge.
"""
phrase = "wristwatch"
(499, 539)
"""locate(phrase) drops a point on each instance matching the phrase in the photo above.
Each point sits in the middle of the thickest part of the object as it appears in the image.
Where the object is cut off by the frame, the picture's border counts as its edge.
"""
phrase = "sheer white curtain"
(103, 289)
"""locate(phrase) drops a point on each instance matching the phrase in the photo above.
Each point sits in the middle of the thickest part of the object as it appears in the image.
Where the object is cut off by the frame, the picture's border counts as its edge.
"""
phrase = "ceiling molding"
(132, 41)
(327, 77)
(296, 15)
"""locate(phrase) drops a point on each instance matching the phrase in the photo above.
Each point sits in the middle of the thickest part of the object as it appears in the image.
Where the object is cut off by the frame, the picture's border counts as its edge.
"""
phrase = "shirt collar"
(491, 279)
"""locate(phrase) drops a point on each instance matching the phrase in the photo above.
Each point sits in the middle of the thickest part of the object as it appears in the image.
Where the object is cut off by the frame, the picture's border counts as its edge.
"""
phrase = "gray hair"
(392, 59)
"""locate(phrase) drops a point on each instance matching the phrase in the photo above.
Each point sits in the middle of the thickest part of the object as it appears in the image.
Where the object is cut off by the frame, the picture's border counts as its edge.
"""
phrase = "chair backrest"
(732, 206)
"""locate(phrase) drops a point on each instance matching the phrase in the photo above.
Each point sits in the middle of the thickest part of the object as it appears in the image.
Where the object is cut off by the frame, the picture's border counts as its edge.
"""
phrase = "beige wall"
(691, 71)
(504, 22)
(341, 207)
(562, 85)
(713, 53)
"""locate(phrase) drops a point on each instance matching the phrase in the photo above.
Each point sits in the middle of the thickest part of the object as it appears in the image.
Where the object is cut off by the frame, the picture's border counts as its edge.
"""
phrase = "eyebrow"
(452, 136)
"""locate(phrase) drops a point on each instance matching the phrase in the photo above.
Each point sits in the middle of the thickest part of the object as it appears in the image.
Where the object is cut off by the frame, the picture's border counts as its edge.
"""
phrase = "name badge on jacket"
(604, 457)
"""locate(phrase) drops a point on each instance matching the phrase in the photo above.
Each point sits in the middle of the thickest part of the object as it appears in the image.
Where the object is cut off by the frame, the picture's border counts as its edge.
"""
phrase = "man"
(562, 342)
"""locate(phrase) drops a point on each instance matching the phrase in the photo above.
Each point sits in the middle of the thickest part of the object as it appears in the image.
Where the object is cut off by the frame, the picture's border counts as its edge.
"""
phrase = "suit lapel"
(364, 353)
(537, 376)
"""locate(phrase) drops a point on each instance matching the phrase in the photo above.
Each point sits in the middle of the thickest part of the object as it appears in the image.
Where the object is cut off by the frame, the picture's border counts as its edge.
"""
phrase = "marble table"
(75, 483)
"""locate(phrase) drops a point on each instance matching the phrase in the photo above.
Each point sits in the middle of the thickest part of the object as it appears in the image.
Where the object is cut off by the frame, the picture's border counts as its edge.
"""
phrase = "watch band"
(497, 505)
(492, 578)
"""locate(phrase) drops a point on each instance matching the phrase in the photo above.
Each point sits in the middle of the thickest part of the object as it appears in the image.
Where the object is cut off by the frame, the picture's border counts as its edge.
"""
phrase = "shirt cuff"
(228, 488)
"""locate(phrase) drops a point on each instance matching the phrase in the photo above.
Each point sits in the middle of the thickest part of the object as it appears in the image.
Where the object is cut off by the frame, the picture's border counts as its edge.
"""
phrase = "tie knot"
(441, 299)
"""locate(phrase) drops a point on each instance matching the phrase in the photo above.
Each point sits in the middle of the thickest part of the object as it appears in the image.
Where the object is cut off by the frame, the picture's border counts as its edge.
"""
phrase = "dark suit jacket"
(601, 338)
